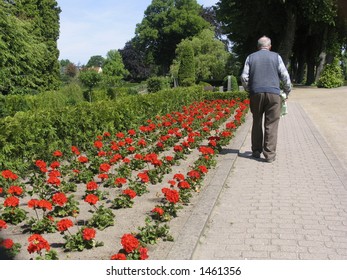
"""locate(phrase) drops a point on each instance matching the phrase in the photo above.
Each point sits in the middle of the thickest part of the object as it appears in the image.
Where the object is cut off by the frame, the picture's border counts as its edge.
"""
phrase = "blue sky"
(89, 27)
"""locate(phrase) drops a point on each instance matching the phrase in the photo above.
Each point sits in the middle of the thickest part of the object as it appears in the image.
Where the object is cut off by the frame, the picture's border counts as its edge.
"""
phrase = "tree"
(113, 70)
(20, 54)
(28, 51)
(64, 62)
(209, 55)
(186, 70)
(90, 79)
(134, 60)
(306, 33)
(44, 16)
(165, 24)
(71, 70)
(95, 61)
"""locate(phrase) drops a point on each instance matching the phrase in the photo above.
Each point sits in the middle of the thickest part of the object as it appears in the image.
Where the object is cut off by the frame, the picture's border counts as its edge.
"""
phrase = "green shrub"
(186, 71)
(234, 84)
(331, 76)
(156, 84)
(36, 134)
(73, 93)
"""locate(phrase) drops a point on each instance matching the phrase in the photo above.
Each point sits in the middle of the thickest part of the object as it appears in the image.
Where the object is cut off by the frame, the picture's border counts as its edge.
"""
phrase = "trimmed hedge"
(68, 96)
(35, 134)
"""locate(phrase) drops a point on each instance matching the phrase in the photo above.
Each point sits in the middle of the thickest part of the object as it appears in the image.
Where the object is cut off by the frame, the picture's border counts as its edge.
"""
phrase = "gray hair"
(264, 42)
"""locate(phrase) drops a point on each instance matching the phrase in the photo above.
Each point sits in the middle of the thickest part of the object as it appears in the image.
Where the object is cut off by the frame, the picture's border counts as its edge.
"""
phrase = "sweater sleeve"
(245, 75)
(284, 76)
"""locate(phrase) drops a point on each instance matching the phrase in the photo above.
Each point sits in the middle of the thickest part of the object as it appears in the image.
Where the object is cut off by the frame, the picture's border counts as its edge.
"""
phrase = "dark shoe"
(256, 154)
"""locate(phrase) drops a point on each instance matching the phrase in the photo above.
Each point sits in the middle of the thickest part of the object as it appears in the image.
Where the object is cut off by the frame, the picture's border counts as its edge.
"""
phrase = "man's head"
(264, 43)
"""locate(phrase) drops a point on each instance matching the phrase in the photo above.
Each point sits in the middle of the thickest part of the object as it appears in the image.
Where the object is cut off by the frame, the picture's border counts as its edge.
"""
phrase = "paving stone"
(294, 208)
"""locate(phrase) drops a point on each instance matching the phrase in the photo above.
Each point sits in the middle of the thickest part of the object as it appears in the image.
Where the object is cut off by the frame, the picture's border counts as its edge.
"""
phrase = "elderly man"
(261, 76)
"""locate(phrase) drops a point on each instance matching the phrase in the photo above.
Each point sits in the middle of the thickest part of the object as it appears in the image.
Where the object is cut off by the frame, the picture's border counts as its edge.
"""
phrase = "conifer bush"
(331, 76)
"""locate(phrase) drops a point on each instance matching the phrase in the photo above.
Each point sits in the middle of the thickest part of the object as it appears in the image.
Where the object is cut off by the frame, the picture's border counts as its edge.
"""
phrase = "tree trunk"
(322, 56)
(322, 59)
(310, 73)
(286, 45)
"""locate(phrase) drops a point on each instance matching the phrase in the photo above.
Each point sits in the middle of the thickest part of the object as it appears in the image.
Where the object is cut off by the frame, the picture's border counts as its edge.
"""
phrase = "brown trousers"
(267, 104)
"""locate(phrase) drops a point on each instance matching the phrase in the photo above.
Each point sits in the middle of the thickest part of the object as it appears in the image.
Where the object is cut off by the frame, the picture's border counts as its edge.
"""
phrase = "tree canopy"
(113, 69)
(28, 46)
(165, 24)
(307, 33)
(96, 61)
(210, 57)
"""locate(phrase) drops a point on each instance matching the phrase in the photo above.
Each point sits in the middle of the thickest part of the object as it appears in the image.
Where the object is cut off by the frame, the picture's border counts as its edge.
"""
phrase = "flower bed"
(116, 200)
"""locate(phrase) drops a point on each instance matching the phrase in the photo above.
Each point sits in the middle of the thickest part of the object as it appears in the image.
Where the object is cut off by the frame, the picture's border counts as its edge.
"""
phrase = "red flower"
(118, 256)
(178, 148)
(88, 233)
(171, 195)
(169, 158)
(59, 199)
(57, 153)
(132, 132)
(103, 176)
(75, 150)
(212, 143)
(143, 177)
(33, 203)
(101, 153)
(64, 224)
(44, 204)
(203, 169)
(82, 159)
(120, 181)
(143, 253)
(158, 210)
(3, 224)
(116, 158)
(193, 174)
(92, 186)
(230, 125)
(104, 167)
(128, 140)
(129, 242)
(179, 177)
(172, 182)
(142, 142)
(226, 134)
(8, 174)
(54, 173)
(55, 164)
(11, 201)
(42, 165)
(138, 156)
(129, 193)
(15, 190)
(37, 243)
(160, 145)
(98, 144)
(126, 160)
(206, 150)
(131, 149)
(53, 180)
(91, 199)
(120, 135)
(183, 185)
(7, 243)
